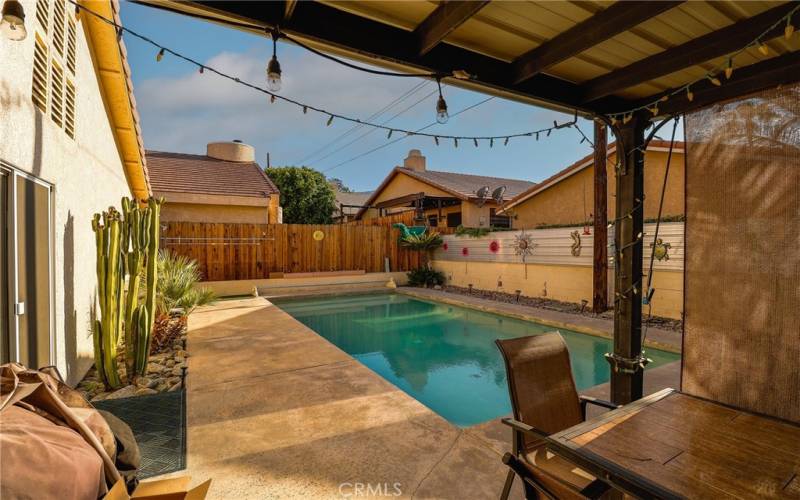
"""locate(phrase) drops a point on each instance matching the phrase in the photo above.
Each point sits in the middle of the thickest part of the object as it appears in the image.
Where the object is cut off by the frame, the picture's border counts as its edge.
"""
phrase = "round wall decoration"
(494, 246)
(445, 246)
(318, 235)
(465, 251)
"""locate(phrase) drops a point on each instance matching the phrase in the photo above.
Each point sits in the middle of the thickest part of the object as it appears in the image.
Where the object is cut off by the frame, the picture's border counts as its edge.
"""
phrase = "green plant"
(306, 195)
(110, 275)
(474, 232)
(176, 287)
(424, 276)
(427, 241)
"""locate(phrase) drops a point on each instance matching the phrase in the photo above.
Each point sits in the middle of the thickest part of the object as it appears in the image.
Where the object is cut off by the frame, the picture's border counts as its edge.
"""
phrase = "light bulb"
(12, 24)
(274, 74)
(441, 111)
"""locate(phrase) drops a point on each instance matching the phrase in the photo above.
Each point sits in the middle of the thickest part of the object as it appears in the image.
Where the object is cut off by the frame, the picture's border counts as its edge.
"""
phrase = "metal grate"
(69, 109)
(57, 93)
(39, 88)
(71, 45)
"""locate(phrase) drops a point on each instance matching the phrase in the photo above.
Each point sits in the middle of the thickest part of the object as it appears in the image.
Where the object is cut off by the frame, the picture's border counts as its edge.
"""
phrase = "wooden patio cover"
(594, 57)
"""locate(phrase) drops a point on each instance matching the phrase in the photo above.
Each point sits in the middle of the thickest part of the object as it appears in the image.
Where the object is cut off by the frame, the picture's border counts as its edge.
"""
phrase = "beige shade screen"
(742, 282)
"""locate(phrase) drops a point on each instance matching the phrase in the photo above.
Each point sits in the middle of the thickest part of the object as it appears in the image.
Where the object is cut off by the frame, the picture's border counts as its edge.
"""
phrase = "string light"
(436, 140)
(160, 55)
(491, 142)
(274, 67)
(389, 135)
(459, 74)
(726, 66)
(476, 142)
(441, 106)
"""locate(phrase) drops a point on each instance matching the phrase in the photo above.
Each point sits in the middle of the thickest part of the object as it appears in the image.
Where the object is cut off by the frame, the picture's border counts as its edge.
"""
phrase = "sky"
(182, 110)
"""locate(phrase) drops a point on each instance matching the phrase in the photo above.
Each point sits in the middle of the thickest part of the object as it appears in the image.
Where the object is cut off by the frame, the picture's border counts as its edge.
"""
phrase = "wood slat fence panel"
(253, 251)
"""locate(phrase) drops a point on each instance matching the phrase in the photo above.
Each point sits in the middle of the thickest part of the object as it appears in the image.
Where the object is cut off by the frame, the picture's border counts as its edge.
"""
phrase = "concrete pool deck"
(276, 411)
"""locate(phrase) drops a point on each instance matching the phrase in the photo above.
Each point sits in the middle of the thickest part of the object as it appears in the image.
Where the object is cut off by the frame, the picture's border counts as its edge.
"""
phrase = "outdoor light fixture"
(441, 106)
(13, 23)
(274, 67)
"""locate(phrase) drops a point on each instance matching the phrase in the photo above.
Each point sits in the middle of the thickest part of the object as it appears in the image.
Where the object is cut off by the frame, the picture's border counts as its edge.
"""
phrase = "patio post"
(600, 274)
(626, 374)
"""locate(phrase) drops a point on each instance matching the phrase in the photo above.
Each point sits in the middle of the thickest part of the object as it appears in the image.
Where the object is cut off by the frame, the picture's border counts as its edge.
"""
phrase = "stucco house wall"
(572, 199)
(86, 174)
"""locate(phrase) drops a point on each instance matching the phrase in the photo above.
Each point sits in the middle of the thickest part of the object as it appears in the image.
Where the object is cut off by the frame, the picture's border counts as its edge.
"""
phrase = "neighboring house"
(568, 196)
(440, 198)
(224, 185)
(70, 147)
(348, 205)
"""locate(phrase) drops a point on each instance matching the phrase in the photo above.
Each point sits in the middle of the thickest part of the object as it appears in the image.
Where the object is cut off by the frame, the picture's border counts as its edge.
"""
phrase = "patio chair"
(545, 401)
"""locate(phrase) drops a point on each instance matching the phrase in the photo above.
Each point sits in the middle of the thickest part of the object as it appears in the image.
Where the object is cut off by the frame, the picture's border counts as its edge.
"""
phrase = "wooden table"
(672, 445)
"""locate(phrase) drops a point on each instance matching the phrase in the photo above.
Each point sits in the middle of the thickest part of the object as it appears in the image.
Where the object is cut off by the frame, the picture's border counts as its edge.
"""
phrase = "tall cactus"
(110, 275)
(125, 247)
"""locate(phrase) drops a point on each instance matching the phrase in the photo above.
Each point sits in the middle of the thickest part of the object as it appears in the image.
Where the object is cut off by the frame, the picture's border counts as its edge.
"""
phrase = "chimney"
(235, 150)
(414, 161)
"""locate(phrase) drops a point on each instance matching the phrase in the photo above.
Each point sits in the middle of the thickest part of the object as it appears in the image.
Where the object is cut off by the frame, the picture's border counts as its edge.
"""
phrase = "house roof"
(110, 59)
(585, 162)
(461, 186)
(352, 198)
(201, 174)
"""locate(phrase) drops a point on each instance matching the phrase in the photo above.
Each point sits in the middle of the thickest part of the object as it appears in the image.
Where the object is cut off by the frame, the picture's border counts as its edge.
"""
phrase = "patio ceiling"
(595, 56)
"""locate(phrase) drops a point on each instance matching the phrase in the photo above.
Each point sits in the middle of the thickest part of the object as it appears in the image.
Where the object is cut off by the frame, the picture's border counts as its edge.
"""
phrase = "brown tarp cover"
(742, 283)
(52, 443)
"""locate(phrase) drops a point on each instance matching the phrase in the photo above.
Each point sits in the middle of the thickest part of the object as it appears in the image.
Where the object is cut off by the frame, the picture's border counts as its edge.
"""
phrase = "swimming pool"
(442, 355)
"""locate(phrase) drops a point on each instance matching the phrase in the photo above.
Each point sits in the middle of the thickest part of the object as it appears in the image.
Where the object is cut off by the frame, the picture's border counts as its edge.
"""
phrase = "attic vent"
(69, 110)
(57, 101)
(58, 26)
(39, 91)
(43, 13)
(71, 44)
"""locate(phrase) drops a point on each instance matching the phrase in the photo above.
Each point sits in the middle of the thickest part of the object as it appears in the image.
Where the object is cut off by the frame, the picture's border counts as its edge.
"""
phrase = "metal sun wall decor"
(524, 246)
(576, 243)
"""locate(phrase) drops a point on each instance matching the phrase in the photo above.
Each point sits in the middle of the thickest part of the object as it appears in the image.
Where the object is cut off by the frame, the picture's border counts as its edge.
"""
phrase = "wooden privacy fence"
(252, 251)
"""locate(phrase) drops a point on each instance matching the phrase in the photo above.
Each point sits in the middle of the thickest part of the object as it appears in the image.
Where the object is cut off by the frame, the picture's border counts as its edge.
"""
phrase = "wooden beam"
(288, 9)
(448, 16)
(617, 18)
(401, 200)
(626, 375)
(781, 70)
(600, 255)
(339, 32)
(715, 44)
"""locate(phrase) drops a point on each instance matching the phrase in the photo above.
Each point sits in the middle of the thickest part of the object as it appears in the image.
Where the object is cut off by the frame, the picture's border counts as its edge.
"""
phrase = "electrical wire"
(405, 136)
(357, 126)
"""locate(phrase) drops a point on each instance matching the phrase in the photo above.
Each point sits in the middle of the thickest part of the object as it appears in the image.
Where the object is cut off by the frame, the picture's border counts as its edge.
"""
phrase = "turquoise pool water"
(443, 356)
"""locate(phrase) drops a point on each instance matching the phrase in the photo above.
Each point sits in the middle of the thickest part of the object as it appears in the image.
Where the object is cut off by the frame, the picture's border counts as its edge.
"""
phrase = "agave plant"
(176, 288)
(427, 241)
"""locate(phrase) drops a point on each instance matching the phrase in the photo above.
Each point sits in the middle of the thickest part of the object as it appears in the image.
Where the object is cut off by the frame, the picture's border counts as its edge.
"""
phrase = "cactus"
(126, 247)
(109, 291)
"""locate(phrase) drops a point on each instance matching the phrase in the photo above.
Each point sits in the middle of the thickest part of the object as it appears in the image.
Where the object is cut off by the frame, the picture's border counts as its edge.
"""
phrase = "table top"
(673, 445)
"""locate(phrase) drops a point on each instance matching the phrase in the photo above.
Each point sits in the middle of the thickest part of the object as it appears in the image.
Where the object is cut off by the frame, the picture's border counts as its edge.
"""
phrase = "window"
(433, 220)
(454, 219)
(54, 64)
(498, 220)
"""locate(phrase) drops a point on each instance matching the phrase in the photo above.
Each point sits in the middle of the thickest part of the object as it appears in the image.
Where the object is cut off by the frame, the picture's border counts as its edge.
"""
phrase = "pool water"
(444, 356)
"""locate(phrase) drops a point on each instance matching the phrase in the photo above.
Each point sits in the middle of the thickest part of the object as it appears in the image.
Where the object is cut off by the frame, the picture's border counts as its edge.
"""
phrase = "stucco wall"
(86, 173)
(190, 212)
(559, 282)
(572, 199)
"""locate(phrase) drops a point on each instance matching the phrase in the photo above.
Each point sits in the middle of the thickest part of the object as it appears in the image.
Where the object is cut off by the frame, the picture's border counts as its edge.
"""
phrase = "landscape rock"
(101, 396)
(142, 391)
(177, 370)
(154, 368)
(174, 388)
(169, 363)
(125, 392)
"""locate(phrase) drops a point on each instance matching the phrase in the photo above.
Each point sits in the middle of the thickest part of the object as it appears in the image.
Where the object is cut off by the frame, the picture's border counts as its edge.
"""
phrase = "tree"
(306, 196)
(339, 185)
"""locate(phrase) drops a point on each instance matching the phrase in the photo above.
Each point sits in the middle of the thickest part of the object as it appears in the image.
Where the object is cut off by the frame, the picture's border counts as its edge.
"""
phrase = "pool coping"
(661, 339)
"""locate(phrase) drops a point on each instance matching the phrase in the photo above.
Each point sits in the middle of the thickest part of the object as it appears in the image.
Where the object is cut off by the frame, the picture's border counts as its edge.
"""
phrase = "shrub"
(425, 277)
(429, 240)
(175, 289)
